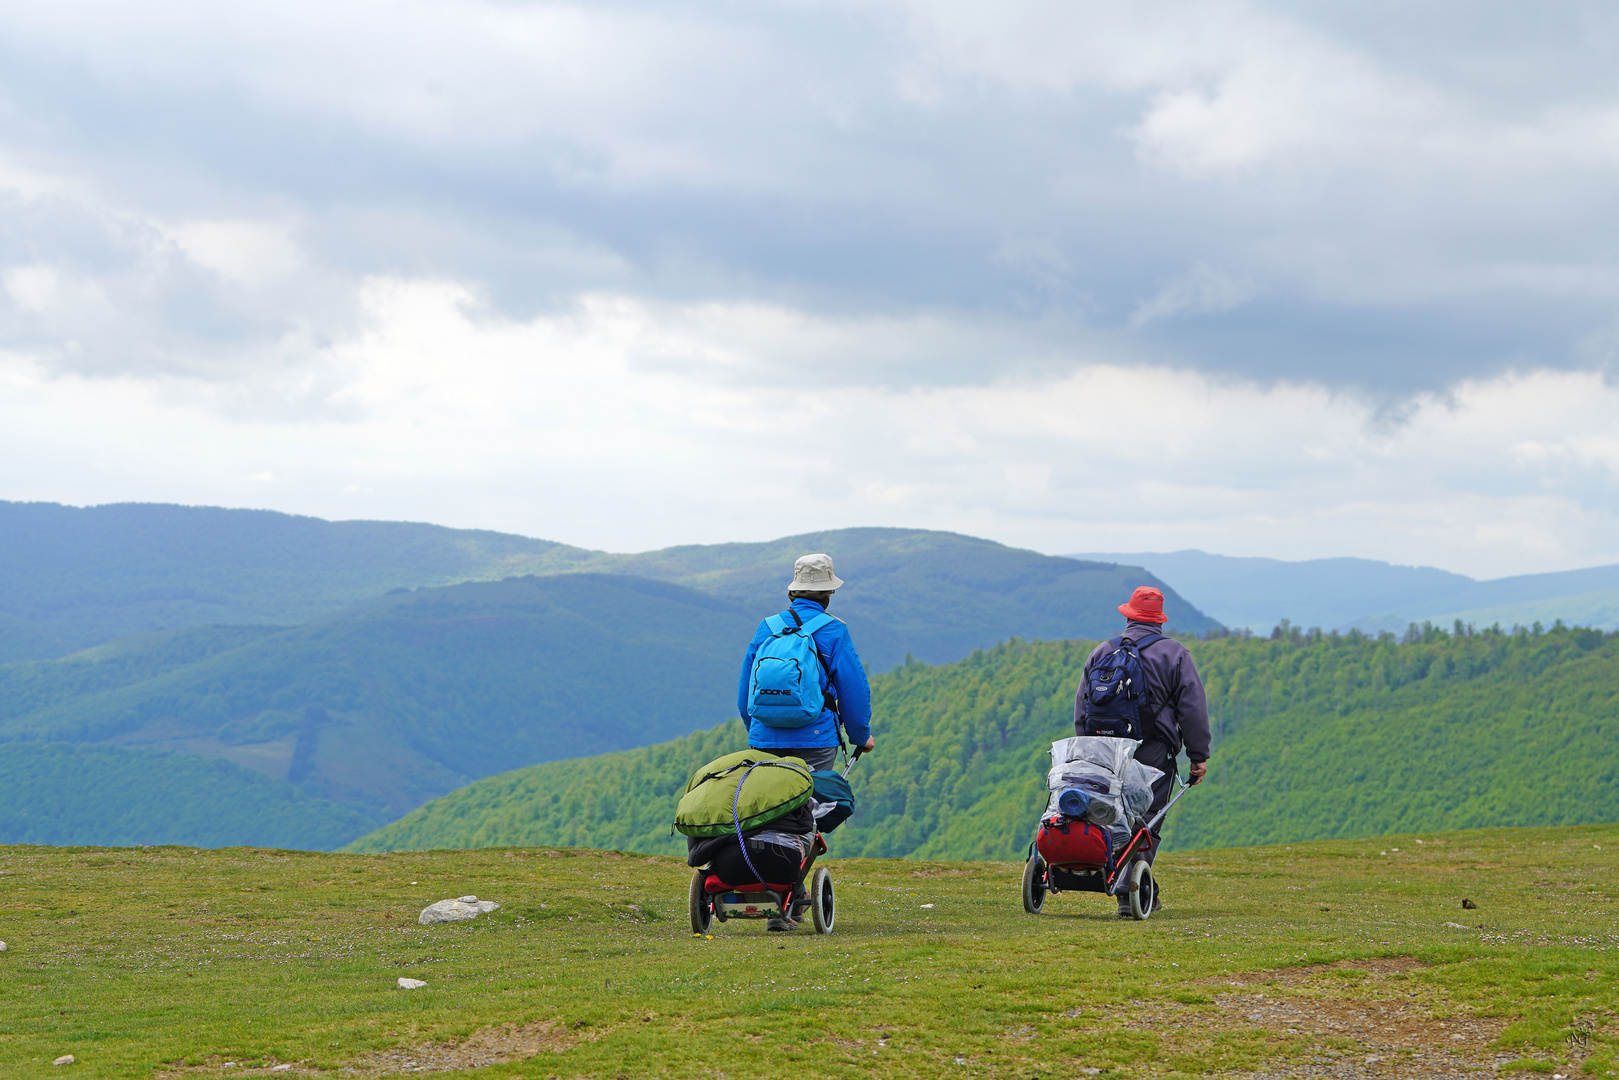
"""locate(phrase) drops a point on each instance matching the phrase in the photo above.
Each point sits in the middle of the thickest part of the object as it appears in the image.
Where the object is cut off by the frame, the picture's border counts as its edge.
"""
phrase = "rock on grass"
(459, 910)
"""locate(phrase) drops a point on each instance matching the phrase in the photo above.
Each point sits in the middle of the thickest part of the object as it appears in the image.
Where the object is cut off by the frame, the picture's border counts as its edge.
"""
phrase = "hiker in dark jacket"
(843, 677)
(1177, 712)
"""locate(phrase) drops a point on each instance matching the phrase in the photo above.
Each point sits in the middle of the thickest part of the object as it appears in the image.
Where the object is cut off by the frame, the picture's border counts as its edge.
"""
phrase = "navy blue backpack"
(1116, 690)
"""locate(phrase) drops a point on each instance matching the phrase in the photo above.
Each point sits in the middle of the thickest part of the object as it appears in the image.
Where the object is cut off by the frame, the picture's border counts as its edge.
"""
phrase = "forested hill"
(75, 577)
(386, 705)
(1317, 736)
(368, 712)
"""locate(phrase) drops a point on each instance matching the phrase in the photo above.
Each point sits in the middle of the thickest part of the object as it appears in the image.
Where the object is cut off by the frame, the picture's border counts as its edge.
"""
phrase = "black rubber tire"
(1143, 889)
(701, 904)
(1034, 884)
(823, 902)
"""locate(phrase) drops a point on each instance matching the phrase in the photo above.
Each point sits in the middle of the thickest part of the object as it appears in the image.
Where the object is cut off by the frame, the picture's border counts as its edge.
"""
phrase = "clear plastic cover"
(1117, 787)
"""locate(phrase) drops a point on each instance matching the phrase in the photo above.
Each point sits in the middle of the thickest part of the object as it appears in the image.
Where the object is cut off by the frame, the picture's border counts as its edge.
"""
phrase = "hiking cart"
(710, 898)
(1128, 873)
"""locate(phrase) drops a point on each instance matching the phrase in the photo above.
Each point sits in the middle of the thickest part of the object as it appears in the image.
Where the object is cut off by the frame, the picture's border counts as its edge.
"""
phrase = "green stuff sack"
(773, 786)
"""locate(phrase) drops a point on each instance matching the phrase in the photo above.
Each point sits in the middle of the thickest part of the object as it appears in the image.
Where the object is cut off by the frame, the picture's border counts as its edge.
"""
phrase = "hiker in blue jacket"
(843, 678)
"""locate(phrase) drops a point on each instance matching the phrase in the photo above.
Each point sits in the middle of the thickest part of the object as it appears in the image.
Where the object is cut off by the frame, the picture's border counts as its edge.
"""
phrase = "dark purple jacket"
(1174, 693)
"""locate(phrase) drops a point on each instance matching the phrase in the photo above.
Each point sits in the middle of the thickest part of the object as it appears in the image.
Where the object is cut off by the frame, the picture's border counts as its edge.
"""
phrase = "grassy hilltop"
(1341, 958)
(1316, 737)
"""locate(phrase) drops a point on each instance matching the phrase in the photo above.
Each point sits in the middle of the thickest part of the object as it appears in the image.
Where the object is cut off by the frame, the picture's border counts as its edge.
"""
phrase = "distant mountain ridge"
(75, 577)
(71, 577)
(364, 710)
(1258, 593)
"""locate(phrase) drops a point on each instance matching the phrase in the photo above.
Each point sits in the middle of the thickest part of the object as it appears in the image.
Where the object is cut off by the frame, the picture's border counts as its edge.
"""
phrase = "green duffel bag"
(770, 787)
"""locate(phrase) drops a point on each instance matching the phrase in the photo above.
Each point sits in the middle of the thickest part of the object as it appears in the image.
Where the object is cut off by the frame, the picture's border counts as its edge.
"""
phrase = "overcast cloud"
(1290, 280)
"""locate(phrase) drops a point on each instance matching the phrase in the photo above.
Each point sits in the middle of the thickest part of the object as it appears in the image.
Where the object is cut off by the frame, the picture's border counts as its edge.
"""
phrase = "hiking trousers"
(1160, 756)
(816, 757)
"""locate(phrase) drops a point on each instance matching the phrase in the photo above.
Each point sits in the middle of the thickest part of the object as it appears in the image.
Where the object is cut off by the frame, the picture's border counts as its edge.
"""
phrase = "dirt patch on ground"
(489, 1046)
(1350, 1020)
(1378, 967)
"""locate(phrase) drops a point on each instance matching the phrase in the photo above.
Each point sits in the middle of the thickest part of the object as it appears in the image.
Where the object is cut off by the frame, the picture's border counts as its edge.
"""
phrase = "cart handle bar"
(1143, 831)
(1185, 787)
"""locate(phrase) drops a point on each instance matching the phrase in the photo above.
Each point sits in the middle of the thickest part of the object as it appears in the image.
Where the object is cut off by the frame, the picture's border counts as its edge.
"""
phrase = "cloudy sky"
(1336, 278)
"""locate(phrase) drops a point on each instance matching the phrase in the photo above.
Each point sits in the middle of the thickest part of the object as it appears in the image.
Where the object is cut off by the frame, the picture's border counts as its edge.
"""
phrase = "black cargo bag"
(776, 863)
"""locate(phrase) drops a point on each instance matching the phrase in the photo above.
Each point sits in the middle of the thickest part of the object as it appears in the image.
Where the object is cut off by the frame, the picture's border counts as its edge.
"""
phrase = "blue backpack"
(1116, 690)
(784, 688)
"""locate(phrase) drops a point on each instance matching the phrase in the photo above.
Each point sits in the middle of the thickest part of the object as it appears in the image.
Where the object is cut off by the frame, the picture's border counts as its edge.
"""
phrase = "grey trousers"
(816, 757)
(1157, 755)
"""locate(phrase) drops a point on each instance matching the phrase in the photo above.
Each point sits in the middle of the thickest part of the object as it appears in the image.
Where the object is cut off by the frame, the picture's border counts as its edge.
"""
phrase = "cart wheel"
(1142, 890)
(702, 906)
(823, 904)
(1034, 884)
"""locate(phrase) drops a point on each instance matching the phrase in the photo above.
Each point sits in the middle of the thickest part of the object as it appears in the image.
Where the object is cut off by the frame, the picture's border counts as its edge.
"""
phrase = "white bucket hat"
(813, 573)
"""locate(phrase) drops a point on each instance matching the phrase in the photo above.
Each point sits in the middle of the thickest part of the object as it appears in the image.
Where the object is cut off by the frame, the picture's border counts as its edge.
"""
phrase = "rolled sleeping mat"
(1073, 802)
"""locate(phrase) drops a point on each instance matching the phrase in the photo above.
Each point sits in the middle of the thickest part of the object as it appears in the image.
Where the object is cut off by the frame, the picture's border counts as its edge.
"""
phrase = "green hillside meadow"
(1317, 736)
(1340, 958)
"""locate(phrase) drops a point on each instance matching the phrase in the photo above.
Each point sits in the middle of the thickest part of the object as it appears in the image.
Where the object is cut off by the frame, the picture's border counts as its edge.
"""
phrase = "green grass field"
(1338, 958)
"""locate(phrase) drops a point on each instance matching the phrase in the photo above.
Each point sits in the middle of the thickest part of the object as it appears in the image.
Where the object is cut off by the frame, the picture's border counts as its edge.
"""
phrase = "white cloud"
(621, 272)
(557, 426)
(251, 253)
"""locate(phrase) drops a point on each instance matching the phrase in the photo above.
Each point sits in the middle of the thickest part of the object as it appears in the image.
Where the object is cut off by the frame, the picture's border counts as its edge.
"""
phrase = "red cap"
(1146, 605)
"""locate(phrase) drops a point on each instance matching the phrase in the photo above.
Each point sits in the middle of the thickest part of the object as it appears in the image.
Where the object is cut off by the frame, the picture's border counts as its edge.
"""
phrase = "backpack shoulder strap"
(1150, 639)
(816, 622)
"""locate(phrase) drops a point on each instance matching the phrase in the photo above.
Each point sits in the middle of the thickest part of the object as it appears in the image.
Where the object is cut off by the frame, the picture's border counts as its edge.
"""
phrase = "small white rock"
(280, 1068)
(2, 946)
(411, 984)
(927, 905)
(459, 910)
(65, 1059)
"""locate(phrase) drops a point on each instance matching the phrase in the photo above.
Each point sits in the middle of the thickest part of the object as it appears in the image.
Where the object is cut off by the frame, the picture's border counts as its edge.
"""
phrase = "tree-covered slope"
(406, 697)
(1316, 737)
(401, 698)
(56, 794)
(1461, 730)
(72, 578)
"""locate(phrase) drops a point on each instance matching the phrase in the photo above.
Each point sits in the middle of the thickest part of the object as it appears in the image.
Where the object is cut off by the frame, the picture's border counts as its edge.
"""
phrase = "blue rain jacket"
(845, 683)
